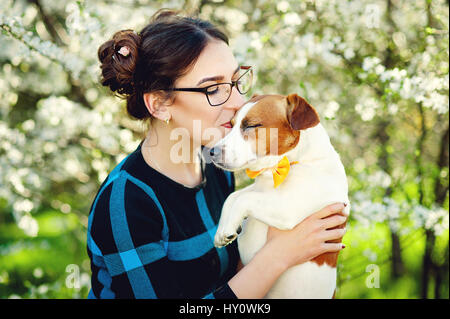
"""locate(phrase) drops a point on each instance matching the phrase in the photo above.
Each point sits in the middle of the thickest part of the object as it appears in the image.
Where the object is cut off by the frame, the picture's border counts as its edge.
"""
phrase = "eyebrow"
(217, 77)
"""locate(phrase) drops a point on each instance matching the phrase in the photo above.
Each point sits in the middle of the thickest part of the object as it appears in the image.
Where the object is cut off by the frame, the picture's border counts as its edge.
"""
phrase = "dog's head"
(264, 129)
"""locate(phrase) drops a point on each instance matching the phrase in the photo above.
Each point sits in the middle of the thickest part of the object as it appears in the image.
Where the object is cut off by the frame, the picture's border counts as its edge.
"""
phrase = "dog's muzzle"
(216, 154)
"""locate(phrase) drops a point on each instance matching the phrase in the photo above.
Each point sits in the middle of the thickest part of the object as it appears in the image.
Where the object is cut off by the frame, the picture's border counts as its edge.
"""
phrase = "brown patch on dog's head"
(300, 114)
(257, 97)
(272, 126)
(254, 98)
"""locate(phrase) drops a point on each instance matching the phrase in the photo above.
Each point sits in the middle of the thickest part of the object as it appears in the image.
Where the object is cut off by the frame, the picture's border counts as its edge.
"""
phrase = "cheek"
(260, 139)
(212, 135)
(192, 107)
(211, 124)
(212, 131)
(271, 141)
(212, 118)
(237, 149)
(203, 112)
(198, 117)
(287, 140)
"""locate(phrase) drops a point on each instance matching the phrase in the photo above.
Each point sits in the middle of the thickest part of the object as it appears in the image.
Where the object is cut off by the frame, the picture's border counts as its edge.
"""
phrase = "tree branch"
(48, 22)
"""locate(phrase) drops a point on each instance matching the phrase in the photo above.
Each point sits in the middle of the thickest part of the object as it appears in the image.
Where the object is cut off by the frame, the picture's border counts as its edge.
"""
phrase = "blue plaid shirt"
(151, 237)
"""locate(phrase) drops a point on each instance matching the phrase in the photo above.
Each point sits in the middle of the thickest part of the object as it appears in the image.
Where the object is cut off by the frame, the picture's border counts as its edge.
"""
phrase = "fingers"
(329, 210)
(333, 221)
(334, 234)
(332, 247)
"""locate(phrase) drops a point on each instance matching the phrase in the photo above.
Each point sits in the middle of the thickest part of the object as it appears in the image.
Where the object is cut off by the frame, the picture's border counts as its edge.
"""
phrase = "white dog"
(265, 130)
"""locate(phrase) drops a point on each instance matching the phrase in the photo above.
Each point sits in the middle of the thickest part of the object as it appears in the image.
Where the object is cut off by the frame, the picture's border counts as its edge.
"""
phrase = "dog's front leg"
(266, 208)
(234, 211)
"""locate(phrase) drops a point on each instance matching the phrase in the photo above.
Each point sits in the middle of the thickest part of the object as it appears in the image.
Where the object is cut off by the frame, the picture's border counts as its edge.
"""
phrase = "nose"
(215, 153)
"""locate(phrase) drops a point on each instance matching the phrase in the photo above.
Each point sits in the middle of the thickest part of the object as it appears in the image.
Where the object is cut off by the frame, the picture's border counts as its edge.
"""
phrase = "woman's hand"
(308, 238)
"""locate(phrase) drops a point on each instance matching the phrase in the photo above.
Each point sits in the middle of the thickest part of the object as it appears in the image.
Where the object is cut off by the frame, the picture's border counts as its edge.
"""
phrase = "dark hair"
(161, 53)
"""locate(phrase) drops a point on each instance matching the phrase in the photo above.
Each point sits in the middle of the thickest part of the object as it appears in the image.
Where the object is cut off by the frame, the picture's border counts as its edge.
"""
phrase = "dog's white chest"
(305, 281)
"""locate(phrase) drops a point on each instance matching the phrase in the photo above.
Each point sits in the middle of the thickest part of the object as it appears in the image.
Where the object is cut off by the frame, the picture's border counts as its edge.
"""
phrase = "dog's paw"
(230, 223)
(224, 237)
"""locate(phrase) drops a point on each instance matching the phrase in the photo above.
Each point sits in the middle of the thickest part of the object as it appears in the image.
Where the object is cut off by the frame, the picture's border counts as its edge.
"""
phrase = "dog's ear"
(300, 114)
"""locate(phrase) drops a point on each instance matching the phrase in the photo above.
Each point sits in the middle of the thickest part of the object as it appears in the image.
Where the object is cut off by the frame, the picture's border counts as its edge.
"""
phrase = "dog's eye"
(252, 126)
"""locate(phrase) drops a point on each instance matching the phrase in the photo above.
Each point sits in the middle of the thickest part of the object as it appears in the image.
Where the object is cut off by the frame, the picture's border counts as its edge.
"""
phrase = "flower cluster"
(401, 217)
(32, 43)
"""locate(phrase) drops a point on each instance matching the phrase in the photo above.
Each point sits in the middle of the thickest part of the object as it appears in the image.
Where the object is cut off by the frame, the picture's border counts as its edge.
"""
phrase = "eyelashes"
(251, 126)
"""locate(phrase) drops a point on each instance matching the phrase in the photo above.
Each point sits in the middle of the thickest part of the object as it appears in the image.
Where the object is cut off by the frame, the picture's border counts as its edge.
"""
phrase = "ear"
(153, 103)
(300, 114)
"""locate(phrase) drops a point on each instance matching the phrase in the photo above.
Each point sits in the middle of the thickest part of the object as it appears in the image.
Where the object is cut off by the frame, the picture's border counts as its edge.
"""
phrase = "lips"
(227, 124)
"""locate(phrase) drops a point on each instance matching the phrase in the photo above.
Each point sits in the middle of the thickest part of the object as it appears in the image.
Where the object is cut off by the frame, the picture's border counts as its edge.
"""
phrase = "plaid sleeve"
(127, 246)
(223, 292)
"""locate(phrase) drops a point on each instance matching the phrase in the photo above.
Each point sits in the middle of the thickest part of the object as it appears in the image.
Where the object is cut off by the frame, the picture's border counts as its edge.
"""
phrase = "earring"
(167, 120)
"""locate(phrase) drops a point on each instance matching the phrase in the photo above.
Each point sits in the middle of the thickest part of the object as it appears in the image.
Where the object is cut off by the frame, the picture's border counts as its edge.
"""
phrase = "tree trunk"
(441, 275)
(397, 265)
(429, 267)
(427, 264)
(440, 190)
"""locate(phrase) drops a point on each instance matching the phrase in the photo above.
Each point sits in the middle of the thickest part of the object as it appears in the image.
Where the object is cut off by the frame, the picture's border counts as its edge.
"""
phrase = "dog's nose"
(215, 152)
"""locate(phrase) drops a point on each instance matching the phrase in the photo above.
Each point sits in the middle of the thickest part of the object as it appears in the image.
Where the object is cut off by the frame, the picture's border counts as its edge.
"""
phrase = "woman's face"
(191, 110)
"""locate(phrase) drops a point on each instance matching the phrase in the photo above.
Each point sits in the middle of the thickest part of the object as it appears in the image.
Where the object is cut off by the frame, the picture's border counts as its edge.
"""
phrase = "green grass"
(353, 262)
(60, 242)
(36, 267)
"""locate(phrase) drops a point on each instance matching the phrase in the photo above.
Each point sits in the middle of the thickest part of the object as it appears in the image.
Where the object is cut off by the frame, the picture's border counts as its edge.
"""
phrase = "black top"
(152, 237)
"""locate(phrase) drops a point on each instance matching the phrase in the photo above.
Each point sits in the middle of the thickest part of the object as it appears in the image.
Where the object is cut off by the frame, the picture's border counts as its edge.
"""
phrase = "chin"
(226, 167)
(225, 131)
(219, 133)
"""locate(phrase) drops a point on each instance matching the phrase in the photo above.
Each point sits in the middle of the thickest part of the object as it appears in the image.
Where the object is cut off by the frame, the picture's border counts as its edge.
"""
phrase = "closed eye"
(252, 126)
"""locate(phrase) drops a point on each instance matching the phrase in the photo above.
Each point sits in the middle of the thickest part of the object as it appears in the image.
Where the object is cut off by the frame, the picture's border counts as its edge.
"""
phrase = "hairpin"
(124, 51)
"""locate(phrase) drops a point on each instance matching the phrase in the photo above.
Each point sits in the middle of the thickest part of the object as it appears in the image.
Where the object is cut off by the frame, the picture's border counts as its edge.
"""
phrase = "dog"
(316, 178)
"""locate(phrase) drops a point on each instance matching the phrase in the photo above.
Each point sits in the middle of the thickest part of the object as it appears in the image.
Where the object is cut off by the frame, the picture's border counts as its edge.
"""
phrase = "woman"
(152, 224)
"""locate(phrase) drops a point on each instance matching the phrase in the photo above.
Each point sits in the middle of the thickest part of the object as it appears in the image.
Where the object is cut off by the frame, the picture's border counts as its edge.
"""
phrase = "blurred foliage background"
(376, 71)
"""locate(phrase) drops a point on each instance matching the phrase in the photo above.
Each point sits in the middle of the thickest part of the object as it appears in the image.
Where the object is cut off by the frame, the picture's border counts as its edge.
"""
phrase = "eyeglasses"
(219, 93)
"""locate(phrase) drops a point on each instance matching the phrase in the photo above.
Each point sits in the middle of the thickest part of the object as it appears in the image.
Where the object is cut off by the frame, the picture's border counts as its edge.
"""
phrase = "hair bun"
(165, 14)
(118, 57)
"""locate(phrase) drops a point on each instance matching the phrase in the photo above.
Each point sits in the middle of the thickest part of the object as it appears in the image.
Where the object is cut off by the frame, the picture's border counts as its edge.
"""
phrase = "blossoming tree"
(376, 71)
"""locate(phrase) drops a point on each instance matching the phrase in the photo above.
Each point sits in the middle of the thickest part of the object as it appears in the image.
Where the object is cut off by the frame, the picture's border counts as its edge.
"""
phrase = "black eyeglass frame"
(204, 90)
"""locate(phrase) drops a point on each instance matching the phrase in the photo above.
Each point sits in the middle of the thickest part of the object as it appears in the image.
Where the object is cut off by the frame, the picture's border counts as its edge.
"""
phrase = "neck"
(163, 154)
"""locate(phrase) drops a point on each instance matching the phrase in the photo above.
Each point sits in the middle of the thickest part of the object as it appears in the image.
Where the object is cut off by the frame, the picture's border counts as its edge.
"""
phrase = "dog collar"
(279, 171)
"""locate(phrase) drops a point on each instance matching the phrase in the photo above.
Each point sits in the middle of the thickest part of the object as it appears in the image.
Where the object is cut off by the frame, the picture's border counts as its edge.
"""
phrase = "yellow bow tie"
(279, 171)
